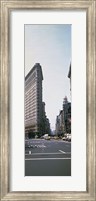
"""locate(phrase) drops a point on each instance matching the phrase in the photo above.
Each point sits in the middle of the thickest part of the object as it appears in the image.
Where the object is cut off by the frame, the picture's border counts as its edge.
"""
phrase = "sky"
(50, 45)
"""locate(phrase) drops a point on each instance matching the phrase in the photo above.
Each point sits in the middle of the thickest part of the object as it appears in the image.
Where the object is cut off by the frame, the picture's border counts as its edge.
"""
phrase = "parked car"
(69, 138)
(56, 137)
(64, 138)
(47, 137)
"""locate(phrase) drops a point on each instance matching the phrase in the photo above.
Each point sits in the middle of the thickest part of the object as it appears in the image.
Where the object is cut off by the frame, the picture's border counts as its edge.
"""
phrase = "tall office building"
(67, 115)
(33, 100)
(63, 120)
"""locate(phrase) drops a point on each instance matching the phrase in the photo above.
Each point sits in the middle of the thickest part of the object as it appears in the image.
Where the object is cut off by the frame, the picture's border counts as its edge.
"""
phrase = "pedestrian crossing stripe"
(41, 146)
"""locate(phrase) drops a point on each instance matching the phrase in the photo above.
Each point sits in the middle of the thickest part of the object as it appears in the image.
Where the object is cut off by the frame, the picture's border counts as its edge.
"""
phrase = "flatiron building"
(33, 100)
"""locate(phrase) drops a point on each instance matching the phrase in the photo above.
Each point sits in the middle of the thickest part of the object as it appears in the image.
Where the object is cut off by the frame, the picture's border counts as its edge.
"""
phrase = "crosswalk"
(37, 146)
(41, 146)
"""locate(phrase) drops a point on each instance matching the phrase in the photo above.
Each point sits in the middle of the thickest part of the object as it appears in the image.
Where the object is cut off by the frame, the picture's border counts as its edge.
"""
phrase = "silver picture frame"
(6, 6)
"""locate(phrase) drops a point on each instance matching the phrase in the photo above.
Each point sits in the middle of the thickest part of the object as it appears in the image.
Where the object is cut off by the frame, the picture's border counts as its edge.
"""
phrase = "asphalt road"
(48, 158)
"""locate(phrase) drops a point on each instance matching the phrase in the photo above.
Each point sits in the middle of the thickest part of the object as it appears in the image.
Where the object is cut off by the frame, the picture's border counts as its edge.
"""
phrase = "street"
(48, 158)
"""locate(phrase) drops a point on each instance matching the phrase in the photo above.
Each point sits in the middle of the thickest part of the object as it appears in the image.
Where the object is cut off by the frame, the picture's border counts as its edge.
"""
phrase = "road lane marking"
(62, 151)
(44, 153)
(34, 159)
(48, 153)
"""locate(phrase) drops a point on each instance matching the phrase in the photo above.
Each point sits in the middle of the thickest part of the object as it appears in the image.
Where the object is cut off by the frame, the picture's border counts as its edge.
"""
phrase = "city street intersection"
(48, 158)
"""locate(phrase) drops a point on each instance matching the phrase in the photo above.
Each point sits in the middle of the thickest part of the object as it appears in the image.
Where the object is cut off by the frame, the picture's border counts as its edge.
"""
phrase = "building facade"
(60, 123)
(33, 99)
(63, 120)
(67, 115)
(35, 116)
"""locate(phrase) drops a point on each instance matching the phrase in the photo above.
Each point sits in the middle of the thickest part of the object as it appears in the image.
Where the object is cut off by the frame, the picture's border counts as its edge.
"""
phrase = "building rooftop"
(37, 65)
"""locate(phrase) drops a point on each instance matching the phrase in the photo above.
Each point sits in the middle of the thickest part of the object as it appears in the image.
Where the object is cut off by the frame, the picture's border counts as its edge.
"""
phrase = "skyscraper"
(63, 120)
(36, 121)
(33, 100)
(67, 115)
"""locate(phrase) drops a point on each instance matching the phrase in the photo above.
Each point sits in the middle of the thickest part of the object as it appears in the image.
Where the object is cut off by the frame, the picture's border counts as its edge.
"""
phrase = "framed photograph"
(47, 128)
(48, 106)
